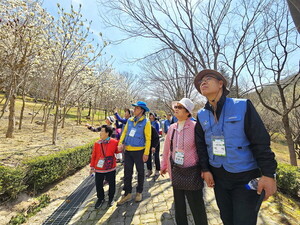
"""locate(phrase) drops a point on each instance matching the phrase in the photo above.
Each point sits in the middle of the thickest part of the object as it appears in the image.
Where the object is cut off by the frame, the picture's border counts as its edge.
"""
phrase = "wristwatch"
(271, 176)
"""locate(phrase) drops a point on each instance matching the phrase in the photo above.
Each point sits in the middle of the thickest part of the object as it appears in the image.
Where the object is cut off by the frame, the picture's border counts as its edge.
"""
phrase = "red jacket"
(109, 149)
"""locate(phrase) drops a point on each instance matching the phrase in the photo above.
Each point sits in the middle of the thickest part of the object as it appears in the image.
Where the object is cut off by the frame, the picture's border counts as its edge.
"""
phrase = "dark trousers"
(236, 203)
(110, 177)
(156, 160)
(196, 203)
(133, 158)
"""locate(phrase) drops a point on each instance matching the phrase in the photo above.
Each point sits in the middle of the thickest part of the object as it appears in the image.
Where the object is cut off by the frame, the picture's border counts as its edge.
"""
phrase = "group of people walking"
(227, 147)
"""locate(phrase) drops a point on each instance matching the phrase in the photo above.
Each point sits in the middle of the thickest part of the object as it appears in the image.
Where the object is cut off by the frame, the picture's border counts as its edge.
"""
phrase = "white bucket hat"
(187, 103)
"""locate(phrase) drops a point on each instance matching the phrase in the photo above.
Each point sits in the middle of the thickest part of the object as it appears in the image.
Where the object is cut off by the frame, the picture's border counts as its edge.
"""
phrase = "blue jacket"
(123, 121)
(167, 124)
(239, 157)
(155, 124)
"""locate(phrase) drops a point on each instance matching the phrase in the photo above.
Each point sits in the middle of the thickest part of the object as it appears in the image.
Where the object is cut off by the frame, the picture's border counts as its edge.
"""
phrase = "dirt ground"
(31, 141)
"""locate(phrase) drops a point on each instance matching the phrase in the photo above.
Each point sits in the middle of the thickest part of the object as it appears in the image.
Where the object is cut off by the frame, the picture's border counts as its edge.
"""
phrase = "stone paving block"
(156, 208)
(135, 220)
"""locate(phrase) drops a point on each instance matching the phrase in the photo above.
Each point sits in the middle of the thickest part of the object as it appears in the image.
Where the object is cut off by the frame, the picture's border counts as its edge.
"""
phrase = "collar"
(186, 124)
(220, 105)
(140, 119)
(105, 141)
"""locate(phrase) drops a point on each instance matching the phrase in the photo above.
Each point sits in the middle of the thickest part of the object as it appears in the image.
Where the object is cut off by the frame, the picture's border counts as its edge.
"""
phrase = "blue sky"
(125, 51)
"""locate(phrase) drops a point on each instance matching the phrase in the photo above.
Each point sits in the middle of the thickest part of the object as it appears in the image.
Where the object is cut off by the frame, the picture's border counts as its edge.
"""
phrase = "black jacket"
(154, 138)
(256, 134)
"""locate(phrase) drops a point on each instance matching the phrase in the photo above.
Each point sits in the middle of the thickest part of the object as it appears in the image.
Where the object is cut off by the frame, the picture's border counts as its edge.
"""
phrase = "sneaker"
(149, 173)
(110, 203)
(99, 203)
(157, 173)
(138, 197)
(125, 198)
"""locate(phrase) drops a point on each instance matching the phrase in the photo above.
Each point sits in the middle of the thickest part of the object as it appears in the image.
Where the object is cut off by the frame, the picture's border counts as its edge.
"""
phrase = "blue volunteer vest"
(138, 140)
(239, 157)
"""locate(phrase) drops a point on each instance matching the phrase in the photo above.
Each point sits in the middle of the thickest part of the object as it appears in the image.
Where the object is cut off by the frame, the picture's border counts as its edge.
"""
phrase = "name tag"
(100, 163)
(179, 157)
(132, 132)
(218, 143)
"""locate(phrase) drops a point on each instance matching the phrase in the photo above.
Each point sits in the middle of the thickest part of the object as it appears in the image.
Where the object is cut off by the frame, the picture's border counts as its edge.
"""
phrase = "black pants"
(236, 203)
(110, 177)
(156, 160)
(196, 203)
(133, 158)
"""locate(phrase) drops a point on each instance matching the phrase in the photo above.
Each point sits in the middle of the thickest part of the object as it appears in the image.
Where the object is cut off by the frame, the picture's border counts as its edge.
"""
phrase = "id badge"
(179, 157)
(218, 143)
(100, 163)
(132, 132)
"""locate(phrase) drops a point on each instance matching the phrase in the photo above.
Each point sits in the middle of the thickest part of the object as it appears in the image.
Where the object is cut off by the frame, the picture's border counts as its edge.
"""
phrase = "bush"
(45, 170)
(288, 179)
(11, 182)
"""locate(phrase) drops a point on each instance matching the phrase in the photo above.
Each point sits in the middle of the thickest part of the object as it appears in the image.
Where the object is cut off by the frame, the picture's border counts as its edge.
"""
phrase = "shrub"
(288, 179)
(45, 170)
(11, 182)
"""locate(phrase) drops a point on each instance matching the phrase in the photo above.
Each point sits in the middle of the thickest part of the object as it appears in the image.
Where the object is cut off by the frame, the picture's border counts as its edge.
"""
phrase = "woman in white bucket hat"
(180, 157)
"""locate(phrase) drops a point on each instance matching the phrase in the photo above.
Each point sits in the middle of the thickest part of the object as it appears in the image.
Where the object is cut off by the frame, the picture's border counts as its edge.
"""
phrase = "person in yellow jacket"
(135, 141)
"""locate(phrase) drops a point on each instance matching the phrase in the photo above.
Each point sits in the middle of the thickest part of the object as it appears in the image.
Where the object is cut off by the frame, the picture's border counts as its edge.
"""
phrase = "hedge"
(288, 179)
(45, 170)
(37, 173)
(11, 182)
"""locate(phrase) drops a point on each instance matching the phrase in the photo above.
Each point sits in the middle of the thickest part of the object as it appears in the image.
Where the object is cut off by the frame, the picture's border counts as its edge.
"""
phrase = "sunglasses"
(178, 107)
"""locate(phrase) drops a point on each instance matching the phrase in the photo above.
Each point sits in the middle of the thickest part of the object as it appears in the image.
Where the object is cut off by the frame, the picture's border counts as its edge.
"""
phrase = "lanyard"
(177, 136)
(222, 114)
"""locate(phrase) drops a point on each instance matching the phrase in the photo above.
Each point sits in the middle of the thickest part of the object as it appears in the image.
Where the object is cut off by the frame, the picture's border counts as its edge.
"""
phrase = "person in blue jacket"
(123, 121)
(155, 149)
(233, 147)
(167, 123)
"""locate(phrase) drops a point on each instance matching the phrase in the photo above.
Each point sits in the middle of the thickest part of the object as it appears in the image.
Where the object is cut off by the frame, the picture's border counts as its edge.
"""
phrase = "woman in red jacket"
(103, 164)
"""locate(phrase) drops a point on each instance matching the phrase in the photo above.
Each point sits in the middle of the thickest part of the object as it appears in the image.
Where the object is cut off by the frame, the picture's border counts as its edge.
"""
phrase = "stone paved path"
(156, 208)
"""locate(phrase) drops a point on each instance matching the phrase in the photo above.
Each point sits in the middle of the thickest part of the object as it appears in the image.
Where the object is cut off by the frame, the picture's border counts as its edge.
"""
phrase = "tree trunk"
(22, 110)
(55, 124)
(57, 113)
(90, 109)
(78, 113)
(11, 117)
(289, 139)
(64, 117)
(5, 105)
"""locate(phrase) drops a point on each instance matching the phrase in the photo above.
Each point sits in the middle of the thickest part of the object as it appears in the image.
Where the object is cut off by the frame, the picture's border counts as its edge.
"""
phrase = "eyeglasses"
(206, 79)
(178, 107)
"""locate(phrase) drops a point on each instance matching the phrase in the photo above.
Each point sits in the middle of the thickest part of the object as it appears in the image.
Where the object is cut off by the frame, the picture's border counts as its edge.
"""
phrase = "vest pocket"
(233, 119)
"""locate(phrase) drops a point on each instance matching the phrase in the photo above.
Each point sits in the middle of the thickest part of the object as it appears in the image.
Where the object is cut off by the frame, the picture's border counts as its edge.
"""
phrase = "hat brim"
(143, 107)
(216, 74)
(174, 103)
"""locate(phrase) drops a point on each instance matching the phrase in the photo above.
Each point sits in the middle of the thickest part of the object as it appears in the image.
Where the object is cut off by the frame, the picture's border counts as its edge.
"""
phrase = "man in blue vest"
(136, 140)
(234, 148)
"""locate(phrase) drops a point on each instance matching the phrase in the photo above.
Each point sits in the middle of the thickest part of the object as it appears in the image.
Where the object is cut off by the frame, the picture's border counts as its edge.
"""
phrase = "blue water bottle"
(252, 185)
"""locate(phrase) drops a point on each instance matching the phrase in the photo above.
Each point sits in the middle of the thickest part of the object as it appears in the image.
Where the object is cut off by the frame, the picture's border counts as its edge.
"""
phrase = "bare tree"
(189, 28)
(271, 67)
(168, 77)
